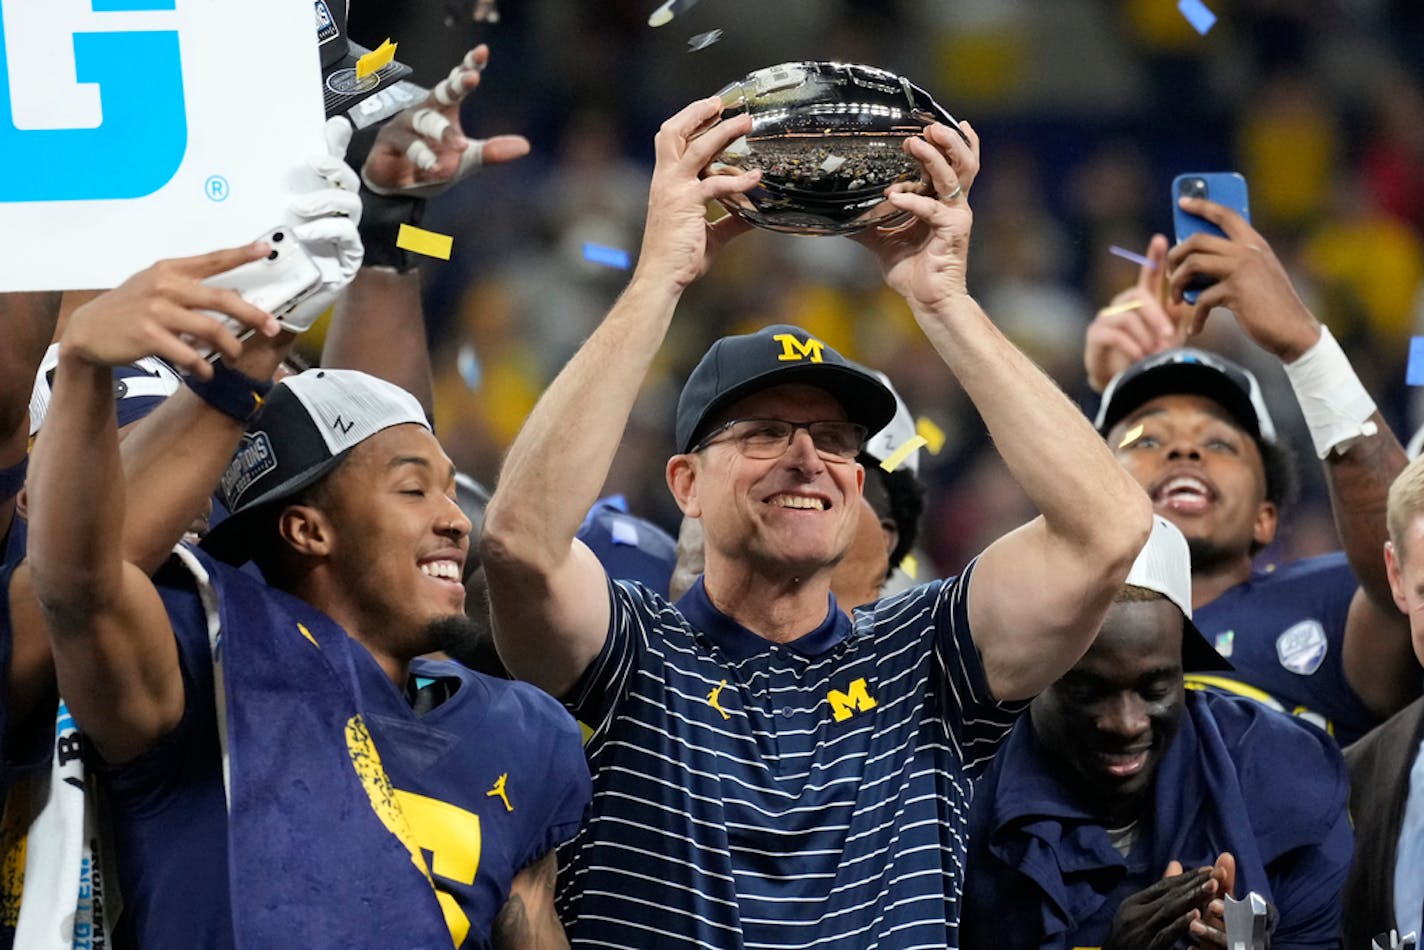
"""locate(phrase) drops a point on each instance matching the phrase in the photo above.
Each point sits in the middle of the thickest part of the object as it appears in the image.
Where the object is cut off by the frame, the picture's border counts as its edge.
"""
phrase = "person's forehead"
(405, 444)
(1181, 406)
(1135, 636)
(787, 401)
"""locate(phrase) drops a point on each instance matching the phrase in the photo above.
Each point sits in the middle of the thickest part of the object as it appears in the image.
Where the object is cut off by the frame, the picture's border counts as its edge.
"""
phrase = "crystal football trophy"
(827, 138)
(1246, 922)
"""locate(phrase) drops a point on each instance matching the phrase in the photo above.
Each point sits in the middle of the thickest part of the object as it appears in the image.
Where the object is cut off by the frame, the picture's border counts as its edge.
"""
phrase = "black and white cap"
(339, 55)
(1165, 566)
(304, 428)
(896, 434)
(1191, 371)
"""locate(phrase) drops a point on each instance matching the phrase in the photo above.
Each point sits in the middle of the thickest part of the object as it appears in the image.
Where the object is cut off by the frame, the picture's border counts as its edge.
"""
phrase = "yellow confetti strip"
(308, 634)
(420, 241)
(1120, 308)
(931, 433)
(910, 566)
(376, 60)
(1132, 436)
(897, 457)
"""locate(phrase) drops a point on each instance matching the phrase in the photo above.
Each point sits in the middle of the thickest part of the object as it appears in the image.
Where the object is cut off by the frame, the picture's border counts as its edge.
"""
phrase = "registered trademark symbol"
(216, 188)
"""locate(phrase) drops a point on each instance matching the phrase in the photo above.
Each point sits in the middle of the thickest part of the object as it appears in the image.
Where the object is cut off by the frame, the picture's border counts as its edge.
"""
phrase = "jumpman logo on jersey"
(712, 698)
(499, 792)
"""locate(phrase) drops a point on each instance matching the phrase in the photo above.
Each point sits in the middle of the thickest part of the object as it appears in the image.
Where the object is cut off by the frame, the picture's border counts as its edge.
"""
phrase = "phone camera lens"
(272, 256)
(281, 235)
(1194, 188)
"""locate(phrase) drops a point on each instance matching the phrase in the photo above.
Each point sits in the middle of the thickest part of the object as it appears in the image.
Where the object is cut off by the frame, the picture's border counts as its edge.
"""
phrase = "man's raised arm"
(548, 592)
(1360, 455)
(1038, 594)
(114, 653)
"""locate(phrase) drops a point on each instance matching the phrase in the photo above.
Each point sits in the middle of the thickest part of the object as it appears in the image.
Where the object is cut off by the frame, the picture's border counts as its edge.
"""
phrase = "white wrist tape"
(1334, 402)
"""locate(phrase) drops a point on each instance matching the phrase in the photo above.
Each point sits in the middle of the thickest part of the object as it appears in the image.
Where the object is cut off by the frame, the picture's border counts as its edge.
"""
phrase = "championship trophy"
(828, 139)
(1248, 923)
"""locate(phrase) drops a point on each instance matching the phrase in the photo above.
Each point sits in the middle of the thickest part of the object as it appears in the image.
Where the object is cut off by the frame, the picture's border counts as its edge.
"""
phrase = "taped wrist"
(381, 218)
(1333, 400)
(12, 478)
(231, 392)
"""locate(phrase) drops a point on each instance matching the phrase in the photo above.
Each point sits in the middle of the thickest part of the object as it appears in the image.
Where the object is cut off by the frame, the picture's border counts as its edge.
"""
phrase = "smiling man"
(1120, 778)
(1194, 431)
(1320, 637)
(277, 758)
(768, 771)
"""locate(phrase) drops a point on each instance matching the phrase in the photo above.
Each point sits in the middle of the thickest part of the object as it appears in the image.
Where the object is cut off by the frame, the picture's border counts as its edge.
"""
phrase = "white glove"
(324, 222)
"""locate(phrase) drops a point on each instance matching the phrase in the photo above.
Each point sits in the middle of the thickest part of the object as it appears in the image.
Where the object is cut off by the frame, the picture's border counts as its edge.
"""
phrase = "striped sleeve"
(978, 723)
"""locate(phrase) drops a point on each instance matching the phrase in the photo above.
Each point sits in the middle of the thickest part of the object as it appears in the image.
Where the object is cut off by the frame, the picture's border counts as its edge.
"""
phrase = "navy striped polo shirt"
(753, 794)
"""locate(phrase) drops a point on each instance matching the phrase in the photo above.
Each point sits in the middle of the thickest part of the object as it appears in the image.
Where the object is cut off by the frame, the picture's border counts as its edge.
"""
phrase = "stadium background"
(1087, 109)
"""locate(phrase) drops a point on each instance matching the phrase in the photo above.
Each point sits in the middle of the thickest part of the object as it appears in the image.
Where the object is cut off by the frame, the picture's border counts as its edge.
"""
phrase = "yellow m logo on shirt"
(855, 699)
(793, 350)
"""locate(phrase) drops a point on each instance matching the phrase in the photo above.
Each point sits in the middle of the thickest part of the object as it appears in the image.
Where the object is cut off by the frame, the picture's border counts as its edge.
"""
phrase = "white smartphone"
(277, 283)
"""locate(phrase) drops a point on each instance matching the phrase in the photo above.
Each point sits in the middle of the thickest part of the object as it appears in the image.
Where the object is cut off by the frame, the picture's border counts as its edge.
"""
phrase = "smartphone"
(277, 283)
(1225, 188)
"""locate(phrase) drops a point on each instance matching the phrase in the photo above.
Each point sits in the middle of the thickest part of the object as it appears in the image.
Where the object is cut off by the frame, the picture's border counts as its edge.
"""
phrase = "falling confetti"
(1197, 15)
(664, 14)
(703, 40)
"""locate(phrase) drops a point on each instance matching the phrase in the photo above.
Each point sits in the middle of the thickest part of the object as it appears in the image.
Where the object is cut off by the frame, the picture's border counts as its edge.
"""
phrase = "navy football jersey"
(488, 779)
(1283, 630)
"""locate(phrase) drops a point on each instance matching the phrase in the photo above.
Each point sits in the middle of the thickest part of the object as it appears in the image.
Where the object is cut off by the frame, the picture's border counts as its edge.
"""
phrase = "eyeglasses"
(834, 440)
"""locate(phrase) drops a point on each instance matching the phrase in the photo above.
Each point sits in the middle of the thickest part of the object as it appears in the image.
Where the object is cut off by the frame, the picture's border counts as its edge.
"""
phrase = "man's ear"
(306, 530)
(682, 482)
(1395, 574)
(1263, 531)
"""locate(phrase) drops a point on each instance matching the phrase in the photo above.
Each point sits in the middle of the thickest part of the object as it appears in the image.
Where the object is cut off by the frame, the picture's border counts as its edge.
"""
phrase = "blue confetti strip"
(1414, 375)
(1197, 15)
(607, 256)
(1133, 256)
(469, 366)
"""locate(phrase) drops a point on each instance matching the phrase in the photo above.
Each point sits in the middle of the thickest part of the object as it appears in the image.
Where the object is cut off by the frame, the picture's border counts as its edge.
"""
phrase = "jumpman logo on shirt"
(498, 791)
(712, 699)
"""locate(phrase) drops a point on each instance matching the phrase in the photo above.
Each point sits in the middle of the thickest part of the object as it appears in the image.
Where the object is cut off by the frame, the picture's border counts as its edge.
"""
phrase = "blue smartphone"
(1225, 188)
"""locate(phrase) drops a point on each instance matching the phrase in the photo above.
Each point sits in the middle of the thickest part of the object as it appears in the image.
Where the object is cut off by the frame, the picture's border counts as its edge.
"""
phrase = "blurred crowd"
(1088, 109)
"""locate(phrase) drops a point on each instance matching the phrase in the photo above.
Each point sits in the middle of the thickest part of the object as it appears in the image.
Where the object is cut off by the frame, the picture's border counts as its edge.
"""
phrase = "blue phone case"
(1225, 188)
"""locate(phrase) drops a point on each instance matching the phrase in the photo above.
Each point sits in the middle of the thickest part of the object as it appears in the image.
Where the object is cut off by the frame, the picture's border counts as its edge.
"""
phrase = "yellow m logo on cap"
(855, 699)
(793, 349)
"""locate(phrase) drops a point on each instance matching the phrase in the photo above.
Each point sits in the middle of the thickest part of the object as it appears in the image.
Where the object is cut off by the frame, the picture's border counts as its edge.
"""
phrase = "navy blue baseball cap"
(629, 548)
(1186, 370)
(737, 366)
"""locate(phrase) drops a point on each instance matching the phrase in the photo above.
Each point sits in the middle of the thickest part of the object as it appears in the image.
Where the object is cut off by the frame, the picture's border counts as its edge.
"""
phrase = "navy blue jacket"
(1238, 777)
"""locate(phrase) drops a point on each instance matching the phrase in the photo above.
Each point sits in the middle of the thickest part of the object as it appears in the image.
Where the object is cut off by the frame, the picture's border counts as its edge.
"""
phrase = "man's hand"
(158, 312)
(1157, 916)
(925, 259)
(1210, 930)
(678, 243)
(1121, 333)
(1250, 282)
(424, 151)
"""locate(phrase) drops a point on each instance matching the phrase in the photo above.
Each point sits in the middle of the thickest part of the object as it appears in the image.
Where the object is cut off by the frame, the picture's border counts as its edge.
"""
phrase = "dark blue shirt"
(468, 792)
(1238, 777)
(757, 794)
(1284, 630)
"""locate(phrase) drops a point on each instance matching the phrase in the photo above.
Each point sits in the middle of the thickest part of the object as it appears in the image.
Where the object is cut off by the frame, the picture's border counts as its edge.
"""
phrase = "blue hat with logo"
(629, 548)
(1190, 371)
(737, 366)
